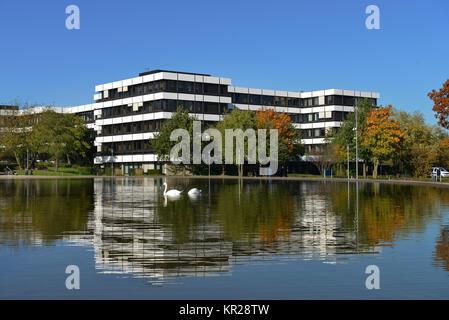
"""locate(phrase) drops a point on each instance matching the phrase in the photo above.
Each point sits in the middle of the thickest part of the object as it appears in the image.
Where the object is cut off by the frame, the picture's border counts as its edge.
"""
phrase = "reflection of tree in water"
(263, 209)
(441, 254)
(389, 211)
(43, 210)
(133, 232)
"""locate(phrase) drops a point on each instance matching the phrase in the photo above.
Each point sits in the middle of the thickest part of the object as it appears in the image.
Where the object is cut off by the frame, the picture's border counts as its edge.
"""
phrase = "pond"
(258, 239)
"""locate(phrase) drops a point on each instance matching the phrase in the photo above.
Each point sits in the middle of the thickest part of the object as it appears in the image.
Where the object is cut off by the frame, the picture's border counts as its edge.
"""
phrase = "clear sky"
(285, 45)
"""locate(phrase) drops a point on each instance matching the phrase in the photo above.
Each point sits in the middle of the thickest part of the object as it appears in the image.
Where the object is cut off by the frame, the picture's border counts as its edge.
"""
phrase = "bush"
(154, 172)
(41, 165)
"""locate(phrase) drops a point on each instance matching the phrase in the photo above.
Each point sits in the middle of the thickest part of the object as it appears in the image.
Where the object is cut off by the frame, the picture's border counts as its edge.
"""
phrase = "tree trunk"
(364, 169)
(68, 161)
(376, 166)
(18, 160)
(56, 166)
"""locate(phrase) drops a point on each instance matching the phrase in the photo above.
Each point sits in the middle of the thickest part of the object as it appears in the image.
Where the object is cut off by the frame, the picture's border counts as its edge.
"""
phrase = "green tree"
(161, 141)
(420, 145)
(345, 135)
(16, 134)
(289, 138)
(382, 135)
(238, 119)
(61, 135)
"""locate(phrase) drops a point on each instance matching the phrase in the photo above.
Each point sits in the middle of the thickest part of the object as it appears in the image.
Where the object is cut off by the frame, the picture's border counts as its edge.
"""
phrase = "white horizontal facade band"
(172, 96)
(126, 137)
(162, 76)
(313, 141)
(126, 158)
(148, 97)
(153, 116)
(200, 116)
(139, 158)
(318, 125)
(309, 94)
(298, 110)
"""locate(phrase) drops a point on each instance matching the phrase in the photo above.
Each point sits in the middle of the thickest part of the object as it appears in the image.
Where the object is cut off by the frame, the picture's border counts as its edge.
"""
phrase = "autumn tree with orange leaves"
(289, 136)
(443, 153)
(383, 135)
(441, 104)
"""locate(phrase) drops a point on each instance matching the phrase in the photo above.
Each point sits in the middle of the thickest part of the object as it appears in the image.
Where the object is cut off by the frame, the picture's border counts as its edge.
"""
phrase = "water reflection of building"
(129, 236)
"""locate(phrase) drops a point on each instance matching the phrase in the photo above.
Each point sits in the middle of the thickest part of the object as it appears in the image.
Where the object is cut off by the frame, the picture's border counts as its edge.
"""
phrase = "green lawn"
(74, 171)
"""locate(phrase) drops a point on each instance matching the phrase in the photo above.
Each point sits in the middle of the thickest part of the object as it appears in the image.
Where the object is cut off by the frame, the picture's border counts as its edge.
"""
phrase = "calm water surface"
(256, 240)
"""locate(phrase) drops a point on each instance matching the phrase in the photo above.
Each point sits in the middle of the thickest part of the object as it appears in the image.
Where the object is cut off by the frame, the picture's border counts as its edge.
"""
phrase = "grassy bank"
(62, 171)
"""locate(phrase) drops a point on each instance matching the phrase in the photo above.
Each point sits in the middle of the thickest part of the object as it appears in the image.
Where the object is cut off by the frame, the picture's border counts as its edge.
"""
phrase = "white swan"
(194, 192)
(171, 193)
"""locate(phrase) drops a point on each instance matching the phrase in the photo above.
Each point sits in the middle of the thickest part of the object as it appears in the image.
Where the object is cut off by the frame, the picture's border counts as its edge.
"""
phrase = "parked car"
(443, 172)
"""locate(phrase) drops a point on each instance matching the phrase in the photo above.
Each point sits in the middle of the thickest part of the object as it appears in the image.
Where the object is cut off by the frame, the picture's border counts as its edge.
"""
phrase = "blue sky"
(285, 45)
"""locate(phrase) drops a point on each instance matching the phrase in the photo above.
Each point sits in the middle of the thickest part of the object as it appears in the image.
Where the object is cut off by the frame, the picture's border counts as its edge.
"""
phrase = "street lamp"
(347, 148)
(356, 141)
(112, 162)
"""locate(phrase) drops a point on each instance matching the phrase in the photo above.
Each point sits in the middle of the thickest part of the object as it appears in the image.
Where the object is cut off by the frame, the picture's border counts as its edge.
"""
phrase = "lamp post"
(347, 148)
(356, 141)
(27, 161)
(112, 162)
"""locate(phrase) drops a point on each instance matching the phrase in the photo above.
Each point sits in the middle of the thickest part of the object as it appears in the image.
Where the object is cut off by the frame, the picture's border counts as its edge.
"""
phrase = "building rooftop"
(159, 70)
(7, 107)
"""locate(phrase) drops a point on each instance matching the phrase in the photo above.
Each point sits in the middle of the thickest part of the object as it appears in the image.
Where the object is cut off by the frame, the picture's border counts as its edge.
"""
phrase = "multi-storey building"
(127, 113)
(6, 110)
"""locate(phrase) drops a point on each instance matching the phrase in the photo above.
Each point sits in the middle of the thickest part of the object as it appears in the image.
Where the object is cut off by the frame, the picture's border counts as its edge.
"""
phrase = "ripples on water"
(135, 231)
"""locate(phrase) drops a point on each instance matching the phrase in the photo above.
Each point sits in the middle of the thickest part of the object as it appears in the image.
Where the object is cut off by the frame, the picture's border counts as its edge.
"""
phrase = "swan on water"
(194, 192)
(171, 193)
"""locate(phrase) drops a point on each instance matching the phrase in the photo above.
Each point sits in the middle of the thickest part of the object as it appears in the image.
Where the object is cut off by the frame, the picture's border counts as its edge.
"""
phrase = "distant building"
(127, 113)
(5, 110)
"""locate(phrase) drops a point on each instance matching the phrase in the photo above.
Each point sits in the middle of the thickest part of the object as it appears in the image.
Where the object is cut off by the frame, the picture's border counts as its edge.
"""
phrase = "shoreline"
(392, 181)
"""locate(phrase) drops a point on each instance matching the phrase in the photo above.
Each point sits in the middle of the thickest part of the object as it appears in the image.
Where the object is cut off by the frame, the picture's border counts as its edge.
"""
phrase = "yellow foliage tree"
(383, 135)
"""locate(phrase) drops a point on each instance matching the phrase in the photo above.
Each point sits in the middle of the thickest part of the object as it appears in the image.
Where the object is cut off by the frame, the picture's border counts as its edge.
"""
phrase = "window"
(223, 107)
(348, 101)
(254, 99)
(292, 102)
(171, 105)
(338, 100)
(267, 100)
(198, 88)
(157, 105)
(223, 90)
(210, 107)
(188, 105)
(240, 98)
(210, 89)
(181, 86)
(198, 107)
(277, 101)
(171, 86)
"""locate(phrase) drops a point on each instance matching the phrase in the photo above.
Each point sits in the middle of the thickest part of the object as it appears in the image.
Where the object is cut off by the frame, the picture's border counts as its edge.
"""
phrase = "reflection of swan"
(171, 193)
(194, 192)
